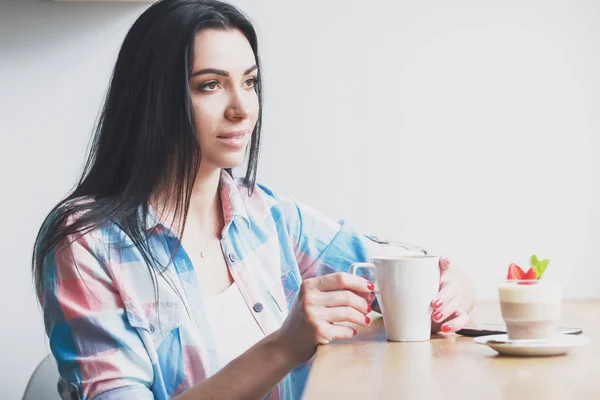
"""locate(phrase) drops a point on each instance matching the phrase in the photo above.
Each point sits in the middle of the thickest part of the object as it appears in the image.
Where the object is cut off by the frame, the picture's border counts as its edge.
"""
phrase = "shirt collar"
(231, 199)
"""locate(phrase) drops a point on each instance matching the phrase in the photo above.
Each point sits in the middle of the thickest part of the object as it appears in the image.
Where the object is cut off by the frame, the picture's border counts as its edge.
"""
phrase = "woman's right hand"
(321, 303)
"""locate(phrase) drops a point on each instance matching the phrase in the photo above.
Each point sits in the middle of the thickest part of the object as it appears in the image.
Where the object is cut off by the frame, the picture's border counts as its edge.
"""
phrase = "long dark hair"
(144, 141)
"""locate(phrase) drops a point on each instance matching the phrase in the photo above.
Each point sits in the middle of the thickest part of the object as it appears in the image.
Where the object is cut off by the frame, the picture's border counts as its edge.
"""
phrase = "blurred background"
(469, 128)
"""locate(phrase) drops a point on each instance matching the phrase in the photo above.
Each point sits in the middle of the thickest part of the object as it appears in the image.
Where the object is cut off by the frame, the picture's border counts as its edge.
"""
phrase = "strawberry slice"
(516, 273)
(530, 276)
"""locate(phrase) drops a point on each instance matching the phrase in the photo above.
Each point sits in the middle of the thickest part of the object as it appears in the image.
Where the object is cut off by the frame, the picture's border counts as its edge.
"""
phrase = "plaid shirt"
(112, 339)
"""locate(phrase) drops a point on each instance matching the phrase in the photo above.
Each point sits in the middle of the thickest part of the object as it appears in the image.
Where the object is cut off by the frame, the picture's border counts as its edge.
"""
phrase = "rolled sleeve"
(126, 393)
(323, 246)
(98, 353)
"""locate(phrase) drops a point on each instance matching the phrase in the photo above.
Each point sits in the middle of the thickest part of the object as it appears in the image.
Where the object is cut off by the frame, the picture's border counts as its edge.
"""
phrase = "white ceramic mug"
(405, 286)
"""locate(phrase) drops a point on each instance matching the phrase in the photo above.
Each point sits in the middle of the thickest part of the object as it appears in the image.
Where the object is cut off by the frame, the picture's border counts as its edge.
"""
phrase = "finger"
(460, 320)
(349, 298)
(444, 263)
(369, 297)
(343, 280)
(446, 293)
(325, 332)
(341, 332)
(447, 310)
(346, 314)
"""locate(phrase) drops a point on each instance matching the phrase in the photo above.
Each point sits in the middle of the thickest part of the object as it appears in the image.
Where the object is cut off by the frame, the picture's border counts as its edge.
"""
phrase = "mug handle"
(366, 265)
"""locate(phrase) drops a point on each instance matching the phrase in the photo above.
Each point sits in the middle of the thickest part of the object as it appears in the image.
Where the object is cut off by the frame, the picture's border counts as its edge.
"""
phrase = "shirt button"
(258, 307)
(232, 257)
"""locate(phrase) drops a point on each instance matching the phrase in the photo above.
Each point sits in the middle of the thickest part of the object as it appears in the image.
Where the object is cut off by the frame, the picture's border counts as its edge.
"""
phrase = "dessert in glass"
(530, 306)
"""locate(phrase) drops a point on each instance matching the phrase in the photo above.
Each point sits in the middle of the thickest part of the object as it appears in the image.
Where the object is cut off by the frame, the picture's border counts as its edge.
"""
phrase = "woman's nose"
(239, 107)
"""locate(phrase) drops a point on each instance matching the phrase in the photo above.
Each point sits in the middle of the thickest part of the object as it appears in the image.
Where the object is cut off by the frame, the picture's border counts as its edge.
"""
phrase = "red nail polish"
(438, 303)
(367, 319)
(369, 309)
(438, 315)
(370, 286)
(353, 332)
(446, 328)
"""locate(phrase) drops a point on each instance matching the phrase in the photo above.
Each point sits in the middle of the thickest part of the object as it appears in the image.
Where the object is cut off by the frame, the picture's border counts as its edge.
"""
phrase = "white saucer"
(533, 348)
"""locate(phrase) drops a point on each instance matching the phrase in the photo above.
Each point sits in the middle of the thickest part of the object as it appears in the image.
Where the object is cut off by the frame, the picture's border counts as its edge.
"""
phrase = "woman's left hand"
(454, 300)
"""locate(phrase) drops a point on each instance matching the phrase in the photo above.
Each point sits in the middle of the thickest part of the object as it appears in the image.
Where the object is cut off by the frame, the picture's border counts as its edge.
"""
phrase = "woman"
(232, 306)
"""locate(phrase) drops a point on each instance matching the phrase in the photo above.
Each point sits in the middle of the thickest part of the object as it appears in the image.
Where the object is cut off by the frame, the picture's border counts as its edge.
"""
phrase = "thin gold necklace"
(208, 241)
(192, 245)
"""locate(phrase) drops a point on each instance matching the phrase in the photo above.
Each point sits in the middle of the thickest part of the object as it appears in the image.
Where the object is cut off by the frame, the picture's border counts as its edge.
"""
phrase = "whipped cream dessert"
(530, 292)
(530, 311)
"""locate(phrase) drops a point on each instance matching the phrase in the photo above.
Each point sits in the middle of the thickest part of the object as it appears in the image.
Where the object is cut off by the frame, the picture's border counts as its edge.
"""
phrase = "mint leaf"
(541, 267)
(534, 261)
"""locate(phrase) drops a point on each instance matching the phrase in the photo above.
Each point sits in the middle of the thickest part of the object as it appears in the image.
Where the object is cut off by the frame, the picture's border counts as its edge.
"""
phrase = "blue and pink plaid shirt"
(114, 339)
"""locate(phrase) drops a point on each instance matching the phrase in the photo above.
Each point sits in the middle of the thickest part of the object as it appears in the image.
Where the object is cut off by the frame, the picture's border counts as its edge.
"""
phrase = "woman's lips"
(234, 139)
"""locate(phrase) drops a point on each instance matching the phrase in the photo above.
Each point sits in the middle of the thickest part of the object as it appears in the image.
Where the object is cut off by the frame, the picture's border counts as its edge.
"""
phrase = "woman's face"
(223, 96)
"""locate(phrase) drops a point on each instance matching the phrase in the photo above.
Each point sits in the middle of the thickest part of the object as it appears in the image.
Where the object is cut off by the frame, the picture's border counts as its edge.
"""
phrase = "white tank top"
(234, 327)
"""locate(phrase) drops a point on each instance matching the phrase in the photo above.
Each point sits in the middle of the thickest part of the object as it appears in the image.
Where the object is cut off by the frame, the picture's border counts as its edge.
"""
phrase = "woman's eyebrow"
(221, 71)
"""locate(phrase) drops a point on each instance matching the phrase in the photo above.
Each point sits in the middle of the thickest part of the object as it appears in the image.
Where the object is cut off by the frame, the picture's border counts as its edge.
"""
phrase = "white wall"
(472, 130)
(55, 61)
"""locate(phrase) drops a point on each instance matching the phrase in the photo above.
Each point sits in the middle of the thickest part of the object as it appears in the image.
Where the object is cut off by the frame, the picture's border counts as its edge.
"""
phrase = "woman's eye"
(251, 82)
(209, 86)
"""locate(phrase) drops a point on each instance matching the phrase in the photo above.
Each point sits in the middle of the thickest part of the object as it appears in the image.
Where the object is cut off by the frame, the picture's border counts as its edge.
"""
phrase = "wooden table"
(450, 366)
